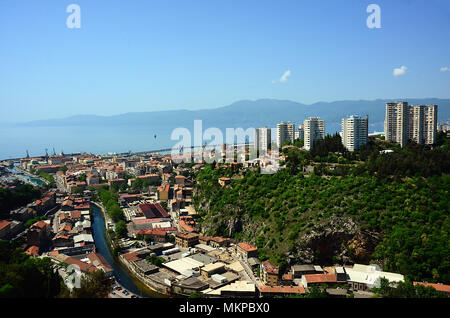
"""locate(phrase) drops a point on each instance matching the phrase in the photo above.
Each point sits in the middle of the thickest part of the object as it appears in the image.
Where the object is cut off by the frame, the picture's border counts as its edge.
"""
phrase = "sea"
(16, 140)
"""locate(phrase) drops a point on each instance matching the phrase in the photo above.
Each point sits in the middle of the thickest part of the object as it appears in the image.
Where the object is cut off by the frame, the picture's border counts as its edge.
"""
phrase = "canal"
(123, 277)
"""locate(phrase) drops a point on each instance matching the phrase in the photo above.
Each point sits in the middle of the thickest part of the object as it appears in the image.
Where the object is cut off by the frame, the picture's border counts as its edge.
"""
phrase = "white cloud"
(399, 71)
(283, 78)
(445, 69)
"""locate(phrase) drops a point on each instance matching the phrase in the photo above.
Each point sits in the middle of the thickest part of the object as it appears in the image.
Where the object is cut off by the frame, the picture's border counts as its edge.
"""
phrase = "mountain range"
(247, 113)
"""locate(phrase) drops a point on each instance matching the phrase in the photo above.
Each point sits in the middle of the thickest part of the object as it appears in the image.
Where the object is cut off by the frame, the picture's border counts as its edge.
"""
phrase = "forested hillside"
(376, 208)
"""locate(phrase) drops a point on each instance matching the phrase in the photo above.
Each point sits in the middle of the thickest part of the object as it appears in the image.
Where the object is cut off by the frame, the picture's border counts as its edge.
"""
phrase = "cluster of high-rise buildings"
(415, 122)
(403, 122)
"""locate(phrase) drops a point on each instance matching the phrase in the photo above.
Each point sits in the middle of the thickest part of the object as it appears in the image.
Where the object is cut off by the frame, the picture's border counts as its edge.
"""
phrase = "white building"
(396, 122)
(299, 133)
(365, 277)
(314, 128)
(422, 124)
(354, 132)
(418, 123)
(285, 132)
(263, 138)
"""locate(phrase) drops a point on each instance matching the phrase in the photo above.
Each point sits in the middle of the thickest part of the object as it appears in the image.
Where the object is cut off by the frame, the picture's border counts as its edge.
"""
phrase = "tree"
(93, 285)
(121, 229)
(22, 276)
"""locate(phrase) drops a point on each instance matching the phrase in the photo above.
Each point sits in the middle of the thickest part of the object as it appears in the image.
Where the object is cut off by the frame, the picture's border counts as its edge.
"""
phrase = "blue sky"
(138, 55)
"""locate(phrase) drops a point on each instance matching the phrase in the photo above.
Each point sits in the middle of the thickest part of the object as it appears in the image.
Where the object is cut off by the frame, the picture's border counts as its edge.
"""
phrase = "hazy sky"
(154, 55)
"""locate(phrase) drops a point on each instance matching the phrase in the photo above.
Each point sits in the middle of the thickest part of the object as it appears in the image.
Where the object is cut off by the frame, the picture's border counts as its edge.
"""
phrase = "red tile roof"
(33, 250)
(270, 267)
(40, 224)
(320, 278)
(282, 289)
(247, 247)
(3, 224)
(439, 287)
(131, 256)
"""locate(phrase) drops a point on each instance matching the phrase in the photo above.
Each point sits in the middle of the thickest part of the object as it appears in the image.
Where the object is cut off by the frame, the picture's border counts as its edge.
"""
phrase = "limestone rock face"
(341, 241)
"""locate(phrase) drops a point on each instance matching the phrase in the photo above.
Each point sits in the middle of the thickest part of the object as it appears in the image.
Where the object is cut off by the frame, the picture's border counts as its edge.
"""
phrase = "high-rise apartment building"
(354, 132)
(263, 138)
(285, 132)
(314, 128)
(299, 133)
(422, 125)
(396, 122)
(418, 123)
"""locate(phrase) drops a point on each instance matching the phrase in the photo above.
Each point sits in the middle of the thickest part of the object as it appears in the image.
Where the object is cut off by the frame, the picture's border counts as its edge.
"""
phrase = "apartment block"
(396, 122)
(418, 123)
(263, 138)
(354, 132)
(285, 132)
(422, 124)
(314, 128)
(299, 133)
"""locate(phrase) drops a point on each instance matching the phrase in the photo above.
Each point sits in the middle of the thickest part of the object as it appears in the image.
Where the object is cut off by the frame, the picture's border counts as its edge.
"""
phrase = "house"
(365, 277)
(438, 287)
(246, 250)
(287, 279)
(117, 182)
(269, 273)
(311, 279)
(152, 210)
(204, 239)
(180, 179)
(224, 181)
(154, 235)
(218, 241)
(39, 233)
(186, 240)
(210, 269)
(163, 192)
(92, 179)
(61, 240)
(298, 271)
(33, 251)
(67, 205)
(97, 260)
(283, 291)
(5, 227)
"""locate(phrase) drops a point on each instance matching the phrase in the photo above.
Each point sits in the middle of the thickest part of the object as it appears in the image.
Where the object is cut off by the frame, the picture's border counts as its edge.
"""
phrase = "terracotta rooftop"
(320, 278)
(439, 287)
(282, 289)
(3, 224)
(247, 247)
(131, 256)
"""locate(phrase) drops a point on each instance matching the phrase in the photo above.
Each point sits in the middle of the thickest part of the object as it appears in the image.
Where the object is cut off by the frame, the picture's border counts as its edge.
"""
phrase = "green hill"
(389, 209)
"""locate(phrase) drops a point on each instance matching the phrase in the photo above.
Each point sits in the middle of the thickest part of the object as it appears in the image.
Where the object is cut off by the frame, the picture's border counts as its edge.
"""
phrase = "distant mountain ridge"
(247, 113)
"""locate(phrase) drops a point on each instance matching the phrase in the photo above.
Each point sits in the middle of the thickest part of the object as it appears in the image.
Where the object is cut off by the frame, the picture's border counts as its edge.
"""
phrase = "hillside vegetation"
(387, 209)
